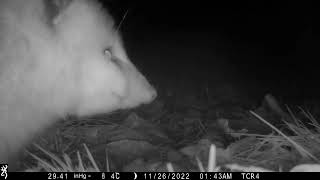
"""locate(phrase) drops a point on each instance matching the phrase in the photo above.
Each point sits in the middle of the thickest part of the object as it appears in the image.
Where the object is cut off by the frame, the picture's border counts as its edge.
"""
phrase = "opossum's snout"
(109, 84)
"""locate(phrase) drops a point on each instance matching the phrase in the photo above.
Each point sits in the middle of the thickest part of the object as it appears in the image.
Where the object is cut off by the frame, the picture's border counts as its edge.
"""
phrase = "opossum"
(58, 58)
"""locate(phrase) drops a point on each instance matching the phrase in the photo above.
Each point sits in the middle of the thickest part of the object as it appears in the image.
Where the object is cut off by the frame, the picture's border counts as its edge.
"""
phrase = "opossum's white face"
(79, 65)
(108, 81)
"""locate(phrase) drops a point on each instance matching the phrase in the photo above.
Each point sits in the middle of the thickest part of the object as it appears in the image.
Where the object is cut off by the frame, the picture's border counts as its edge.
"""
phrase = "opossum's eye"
(110, 56)
(107, 53)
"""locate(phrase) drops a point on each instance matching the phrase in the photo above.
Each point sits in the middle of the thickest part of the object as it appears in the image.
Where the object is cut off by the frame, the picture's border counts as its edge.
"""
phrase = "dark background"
(257, 46)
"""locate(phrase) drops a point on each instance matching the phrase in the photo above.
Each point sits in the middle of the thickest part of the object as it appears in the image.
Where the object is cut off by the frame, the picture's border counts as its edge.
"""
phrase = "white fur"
(56, 64)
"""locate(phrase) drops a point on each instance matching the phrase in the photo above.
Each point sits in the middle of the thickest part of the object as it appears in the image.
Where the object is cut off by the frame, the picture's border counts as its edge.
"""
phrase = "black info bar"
(156, 175)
